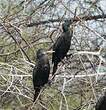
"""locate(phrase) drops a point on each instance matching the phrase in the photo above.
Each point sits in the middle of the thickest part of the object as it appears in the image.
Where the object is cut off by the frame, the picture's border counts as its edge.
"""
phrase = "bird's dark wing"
(61, 48)
(101, 103)
(41, 72)
(58, 42)
(57, 47)
(34, 74)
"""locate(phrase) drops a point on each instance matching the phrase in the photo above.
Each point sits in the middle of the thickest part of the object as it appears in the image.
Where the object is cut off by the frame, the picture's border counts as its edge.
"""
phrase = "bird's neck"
(67, 33)
(67, 36)
(65, 30)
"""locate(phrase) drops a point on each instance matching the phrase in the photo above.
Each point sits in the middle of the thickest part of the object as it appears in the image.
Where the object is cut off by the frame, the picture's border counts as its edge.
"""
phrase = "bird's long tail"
(37, 91)
(54, 68)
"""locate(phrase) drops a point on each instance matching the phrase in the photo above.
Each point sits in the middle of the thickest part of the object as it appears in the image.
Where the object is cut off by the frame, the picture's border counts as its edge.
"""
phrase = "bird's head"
(104, 91)
(66, 25)
(41, 52)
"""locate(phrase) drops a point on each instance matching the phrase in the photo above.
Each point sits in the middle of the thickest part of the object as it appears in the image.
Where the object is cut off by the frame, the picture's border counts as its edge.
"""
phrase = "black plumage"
(62, 45)
(41, 71)
(101, 103)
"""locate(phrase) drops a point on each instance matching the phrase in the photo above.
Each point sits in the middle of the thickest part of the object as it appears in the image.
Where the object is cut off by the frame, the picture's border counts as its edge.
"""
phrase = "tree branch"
(86, 18)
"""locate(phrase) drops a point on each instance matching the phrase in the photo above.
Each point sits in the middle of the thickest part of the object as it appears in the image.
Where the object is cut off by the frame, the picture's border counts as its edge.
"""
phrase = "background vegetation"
(25, 26)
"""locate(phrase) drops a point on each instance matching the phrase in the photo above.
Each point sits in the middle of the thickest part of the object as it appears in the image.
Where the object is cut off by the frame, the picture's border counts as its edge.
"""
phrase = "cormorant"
(41, 71)
(101, 103)
(62, 45)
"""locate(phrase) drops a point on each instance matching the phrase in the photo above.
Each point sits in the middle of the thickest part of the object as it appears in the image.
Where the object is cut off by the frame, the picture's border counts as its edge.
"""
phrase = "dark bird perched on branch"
(41, 71)
(62, 45)
(101, 103)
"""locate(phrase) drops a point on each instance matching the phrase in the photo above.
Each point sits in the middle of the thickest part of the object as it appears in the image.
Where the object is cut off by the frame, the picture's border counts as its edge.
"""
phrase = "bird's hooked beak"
(50, 52)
